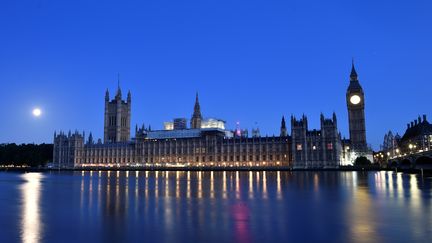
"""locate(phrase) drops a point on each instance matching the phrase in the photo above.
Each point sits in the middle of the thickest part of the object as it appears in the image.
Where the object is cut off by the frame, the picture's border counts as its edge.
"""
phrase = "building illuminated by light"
(207, 143)
(177, 146)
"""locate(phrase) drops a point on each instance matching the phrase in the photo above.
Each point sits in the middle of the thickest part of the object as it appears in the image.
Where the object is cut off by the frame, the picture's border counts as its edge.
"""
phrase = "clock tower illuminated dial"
(355, 99)
(356, 104)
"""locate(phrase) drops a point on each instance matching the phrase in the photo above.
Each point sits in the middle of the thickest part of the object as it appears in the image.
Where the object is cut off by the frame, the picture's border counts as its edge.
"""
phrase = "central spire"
(196, 116)
(197, 108)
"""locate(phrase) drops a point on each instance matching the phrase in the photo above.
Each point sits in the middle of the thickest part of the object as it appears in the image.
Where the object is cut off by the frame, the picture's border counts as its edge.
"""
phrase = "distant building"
(168, 125)
(180, 124)
(390, 144)
(213, 123)
(417, 137)
(256, 133)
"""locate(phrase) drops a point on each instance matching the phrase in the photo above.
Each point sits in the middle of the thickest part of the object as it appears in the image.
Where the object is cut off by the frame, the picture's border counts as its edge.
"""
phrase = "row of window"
(231, 158)
(186, 149)
(299, 146)
(112, 121)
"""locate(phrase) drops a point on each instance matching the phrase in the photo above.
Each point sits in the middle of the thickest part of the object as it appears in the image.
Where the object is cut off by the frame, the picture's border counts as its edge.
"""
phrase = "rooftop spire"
(196, 116)
(197, 108)
(353, 74)
(283, 130)
(119, 94)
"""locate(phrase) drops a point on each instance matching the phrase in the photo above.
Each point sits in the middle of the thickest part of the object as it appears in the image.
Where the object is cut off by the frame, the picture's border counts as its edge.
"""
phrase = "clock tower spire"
(356, 116)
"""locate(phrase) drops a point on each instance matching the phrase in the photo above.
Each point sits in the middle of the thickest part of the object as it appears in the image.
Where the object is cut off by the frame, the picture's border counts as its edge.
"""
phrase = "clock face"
(355, 99)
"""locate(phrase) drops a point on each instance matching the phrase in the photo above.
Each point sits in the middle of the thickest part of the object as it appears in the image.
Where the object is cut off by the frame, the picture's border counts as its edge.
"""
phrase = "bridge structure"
(419, 159)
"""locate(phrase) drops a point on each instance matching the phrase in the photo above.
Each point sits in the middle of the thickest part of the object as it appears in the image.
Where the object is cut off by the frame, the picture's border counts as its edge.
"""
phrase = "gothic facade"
(356, 145)
(117, 118)
(206, 143)
(356, 115)
(315, 148)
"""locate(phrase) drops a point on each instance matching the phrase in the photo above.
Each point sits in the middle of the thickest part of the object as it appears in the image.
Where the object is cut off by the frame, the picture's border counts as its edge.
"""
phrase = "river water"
(130, 206)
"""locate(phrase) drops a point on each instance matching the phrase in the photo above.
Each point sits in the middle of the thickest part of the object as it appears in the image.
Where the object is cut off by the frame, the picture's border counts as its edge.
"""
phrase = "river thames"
(180, 206)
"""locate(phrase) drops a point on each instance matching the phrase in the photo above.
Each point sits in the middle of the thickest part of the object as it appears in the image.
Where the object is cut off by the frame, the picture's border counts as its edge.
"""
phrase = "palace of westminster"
(207, 144)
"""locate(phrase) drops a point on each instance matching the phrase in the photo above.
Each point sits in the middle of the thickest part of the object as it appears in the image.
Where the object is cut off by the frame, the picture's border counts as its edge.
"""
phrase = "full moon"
(37, 112)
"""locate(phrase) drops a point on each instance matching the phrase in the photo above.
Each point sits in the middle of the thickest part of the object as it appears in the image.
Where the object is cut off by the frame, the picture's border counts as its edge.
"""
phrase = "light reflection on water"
(189, 206)
(31, 226)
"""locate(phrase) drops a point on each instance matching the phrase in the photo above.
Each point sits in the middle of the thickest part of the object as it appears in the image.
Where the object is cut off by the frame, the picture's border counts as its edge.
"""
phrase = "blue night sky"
(251, 61)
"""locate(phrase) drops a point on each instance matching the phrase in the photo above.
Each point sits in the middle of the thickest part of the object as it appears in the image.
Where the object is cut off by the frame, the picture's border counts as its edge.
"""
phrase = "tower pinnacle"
(196, 116)
(119, 94)
(283, 130)
(353, 74)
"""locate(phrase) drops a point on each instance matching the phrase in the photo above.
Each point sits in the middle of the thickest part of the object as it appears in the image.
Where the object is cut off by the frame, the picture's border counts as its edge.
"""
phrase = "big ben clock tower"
(356, 116)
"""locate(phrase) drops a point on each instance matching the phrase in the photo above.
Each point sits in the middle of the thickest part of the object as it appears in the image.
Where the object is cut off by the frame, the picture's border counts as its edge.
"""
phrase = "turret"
(283, 130)
(129, 97)
(90, 139)
(334, 118)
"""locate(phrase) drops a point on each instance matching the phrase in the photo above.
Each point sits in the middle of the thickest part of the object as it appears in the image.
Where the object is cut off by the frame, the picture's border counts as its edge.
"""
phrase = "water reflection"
(362, 216)
(235, 206)
(31, 225)
(279, 189)
(251, 191)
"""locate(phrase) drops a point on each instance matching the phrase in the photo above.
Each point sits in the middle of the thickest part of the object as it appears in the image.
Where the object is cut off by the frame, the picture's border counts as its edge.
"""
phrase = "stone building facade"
(193, 147)
(196, 148)
(356, 114)
(315, 148)
(206, 143)
(117, 118)
(417, 137)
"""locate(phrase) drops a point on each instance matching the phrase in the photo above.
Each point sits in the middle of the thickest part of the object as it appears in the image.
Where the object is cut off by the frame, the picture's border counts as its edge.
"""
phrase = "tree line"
(25, 154)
